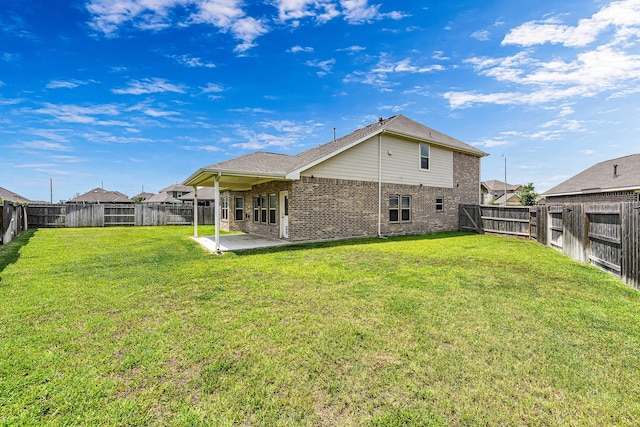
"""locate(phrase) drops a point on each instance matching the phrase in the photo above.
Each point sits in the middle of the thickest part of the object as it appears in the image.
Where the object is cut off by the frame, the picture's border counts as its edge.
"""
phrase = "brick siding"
(328, 209)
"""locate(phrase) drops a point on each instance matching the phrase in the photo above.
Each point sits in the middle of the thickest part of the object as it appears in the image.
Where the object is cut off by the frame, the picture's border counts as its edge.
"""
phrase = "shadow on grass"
(353, 242)
(10, 252)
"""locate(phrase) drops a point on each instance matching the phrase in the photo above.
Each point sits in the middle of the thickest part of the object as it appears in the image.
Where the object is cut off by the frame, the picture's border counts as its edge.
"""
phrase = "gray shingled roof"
(100, 195)
(161, 198)
(495, 185)
(204, 193)
(11, 196)
(281, 164)
(600, 177)
(176, 187)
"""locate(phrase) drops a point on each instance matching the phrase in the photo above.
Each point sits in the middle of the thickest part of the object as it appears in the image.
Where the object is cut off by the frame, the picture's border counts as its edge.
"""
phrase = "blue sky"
(141, 93)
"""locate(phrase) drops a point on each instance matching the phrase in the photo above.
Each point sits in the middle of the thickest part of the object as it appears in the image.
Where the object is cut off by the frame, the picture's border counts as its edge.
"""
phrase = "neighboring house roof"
(511, 198)
(12, 197)
(495, 185)
(619, 174)
(204, 193)
(142, 196)
(100, 195)
(176, 187)
(161, 198)
(257, 167)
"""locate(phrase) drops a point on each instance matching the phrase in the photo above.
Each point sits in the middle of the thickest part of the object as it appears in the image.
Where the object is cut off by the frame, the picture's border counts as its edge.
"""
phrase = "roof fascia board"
(204, 174)
(635, 188)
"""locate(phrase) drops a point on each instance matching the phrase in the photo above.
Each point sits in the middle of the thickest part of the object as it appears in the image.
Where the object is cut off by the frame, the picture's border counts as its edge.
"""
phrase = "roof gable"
(610, 175)
(100, 195)
(257, 166)
(11, 196)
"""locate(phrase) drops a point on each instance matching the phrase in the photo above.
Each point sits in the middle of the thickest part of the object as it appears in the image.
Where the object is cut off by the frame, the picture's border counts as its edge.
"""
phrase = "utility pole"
(50, 190)
(505, 180)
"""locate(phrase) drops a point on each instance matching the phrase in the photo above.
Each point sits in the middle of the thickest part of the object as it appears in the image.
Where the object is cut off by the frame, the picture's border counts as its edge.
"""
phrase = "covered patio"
(238, 242)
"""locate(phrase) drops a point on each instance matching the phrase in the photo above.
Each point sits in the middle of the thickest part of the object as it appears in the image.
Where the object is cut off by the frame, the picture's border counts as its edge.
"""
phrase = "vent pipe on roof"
(615, 171)
(334, 134)
(380, 120)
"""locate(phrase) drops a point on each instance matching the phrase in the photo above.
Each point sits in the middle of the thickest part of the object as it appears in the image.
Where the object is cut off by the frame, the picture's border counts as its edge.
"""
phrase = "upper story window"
(424, 157)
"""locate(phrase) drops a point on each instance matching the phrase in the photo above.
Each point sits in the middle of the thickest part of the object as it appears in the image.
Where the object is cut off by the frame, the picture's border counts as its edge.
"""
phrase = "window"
(239, 214)
(406, 208)
(393, 209)
(272, 208)
(399, 208)
(263, 209)
(424, 157)
(439, 203)
(224, 206)
(256, 209)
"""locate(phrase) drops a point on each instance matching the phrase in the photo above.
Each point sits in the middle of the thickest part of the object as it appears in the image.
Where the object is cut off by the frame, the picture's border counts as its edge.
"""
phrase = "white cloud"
(250, 110)
(325, 66)
(598, 55)
(298, 49)
(145, 86)
(623, 16)
(43, 145)
(212, 88)
(80, 114)
(482, 35)
(65, 84)
(193, 62)
(352, 49)
(158, 113)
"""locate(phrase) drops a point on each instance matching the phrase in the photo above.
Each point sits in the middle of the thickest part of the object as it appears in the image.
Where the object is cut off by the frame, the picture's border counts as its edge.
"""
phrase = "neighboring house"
(10, 196)
(616, 180)
(206, 196)
(492, 193)
(100, 195)
(395, 176)
(169, 195)
(141, 197)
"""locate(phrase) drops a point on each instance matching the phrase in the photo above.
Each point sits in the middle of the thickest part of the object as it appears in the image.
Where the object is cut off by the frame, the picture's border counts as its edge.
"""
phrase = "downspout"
(380, 185)
(216, 195)
(195, 211)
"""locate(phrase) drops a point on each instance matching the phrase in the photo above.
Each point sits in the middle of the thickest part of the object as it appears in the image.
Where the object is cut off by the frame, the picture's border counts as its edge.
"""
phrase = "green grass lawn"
(140, 326)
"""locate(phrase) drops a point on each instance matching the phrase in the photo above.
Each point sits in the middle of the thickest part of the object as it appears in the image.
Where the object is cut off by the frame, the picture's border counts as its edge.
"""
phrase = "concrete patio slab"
(239, 242)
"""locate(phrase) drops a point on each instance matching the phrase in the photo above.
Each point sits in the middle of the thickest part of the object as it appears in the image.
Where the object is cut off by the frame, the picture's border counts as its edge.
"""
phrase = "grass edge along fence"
(604, 235)
(109, 214)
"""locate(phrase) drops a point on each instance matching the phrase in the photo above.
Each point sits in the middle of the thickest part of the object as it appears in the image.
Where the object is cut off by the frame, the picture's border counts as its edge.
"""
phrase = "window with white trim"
(224, 208)
(239, 209)
(424, 157)
(439, 203)
(399, 208)
(272, 208)
(256, 209)
(263, 209)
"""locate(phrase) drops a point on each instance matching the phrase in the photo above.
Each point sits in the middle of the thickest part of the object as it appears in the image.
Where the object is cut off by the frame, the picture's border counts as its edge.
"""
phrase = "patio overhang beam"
(232, 180)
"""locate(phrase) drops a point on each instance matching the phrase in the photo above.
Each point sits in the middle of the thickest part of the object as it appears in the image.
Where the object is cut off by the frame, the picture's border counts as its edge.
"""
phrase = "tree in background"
(528, 195)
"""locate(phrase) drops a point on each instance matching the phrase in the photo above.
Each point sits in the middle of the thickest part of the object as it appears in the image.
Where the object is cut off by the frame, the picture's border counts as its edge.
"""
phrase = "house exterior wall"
(400, 163)
(609, 197)
(323, 208)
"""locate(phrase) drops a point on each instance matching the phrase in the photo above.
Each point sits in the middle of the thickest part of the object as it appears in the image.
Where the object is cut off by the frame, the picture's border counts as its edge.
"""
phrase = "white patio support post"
(216, 195)
(195, 211)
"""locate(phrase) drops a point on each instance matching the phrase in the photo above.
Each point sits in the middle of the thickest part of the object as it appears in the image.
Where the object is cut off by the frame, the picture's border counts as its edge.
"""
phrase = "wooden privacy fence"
(605, 235)
(13, 220)
(107, 215)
